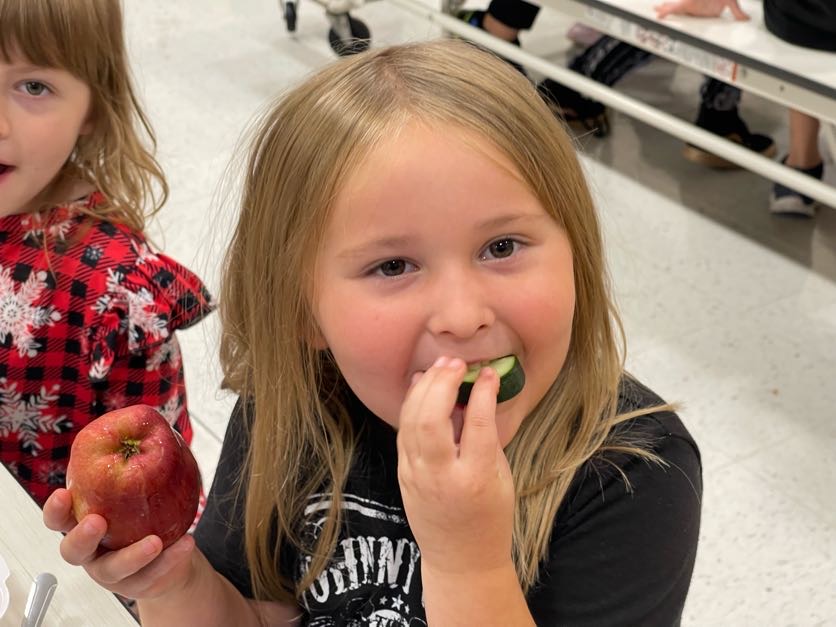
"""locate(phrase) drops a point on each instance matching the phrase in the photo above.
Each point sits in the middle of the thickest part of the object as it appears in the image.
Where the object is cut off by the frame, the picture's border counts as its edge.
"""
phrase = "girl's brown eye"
(393, 267)
(502, 248)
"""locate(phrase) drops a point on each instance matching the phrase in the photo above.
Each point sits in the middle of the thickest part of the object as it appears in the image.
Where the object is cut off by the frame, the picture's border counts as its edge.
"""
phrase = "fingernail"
(455, 363)
(89, 528)
(149, 547)
(441, 361)
(490, 373)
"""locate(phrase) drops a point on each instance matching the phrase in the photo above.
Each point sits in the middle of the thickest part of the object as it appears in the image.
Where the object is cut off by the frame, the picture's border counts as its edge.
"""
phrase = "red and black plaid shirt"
(85, 328)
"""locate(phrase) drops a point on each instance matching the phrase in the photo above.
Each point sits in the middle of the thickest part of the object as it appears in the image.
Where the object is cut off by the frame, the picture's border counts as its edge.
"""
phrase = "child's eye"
(35, 88)
(393, 267)
(500, 248)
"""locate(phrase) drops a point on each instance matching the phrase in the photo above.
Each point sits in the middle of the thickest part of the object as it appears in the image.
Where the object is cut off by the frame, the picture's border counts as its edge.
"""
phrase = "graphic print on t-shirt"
(374, 577)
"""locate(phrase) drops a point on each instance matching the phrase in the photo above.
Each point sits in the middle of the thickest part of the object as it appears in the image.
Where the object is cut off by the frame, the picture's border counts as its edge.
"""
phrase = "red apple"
(132, 468)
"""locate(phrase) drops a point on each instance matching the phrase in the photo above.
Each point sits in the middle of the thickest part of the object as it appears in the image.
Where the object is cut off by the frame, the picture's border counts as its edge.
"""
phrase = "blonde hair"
(304, 149)
(86, 39)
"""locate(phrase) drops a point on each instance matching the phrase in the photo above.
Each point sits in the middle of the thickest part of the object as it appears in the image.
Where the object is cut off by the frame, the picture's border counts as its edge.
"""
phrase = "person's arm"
(700, 8)
(477, 597)
(208, 599)
(175, 586)
(459, 500)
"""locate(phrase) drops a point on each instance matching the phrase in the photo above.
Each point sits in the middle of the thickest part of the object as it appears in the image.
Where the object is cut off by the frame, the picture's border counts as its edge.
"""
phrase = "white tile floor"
(728, 310)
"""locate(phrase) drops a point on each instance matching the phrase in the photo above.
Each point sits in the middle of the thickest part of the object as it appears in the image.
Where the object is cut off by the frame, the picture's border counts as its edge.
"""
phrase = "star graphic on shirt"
(383, 601)
(397, 603)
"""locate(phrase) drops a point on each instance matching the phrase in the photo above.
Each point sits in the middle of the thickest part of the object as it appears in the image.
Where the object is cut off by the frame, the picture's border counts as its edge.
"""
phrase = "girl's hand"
(459, 499)
(700, 8)
(139, 571)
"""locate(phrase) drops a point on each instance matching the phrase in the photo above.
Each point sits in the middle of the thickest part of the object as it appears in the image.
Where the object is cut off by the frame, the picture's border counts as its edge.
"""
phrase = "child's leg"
(498, 29)
(506, 18)
(805, 157)
(503, 19)
(804, 141)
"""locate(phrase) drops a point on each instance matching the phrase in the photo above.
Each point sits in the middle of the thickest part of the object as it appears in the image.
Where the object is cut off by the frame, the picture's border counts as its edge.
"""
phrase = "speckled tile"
(808, 480)
(744, 388)
(763, 559)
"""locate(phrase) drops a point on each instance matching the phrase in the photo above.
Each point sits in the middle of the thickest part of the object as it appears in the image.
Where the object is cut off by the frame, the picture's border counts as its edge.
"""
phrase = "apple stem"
(129, 448)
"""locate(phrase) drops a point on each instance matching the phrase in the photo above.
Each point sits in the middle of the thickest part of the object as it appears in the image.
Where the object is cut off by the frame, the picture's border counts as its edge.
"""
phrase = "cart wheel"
(290, 15)
(359, 42)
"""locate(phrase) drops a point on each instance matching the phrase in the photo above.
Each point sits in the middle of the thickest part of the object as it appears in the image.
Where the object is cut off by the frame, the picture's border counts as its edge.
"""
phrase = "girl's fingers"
(114, 566)
(133, 570)
(479, 436)
(169, 570)
(81, 543)
(58, 511)
(425, 429)
(135, 576)
(170, 559)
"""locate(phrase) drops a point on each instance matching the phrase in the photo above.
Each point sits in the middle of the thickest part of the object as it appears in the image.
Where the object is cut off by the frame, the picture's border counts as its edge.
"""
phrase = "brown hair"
(304, 148)
(86, 39)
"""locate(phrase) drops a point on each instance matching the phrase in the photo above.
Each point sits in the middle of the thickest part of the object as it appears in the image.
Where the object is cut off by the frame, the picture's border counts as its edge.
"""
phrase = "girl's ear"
(89, 122)
(315, 338)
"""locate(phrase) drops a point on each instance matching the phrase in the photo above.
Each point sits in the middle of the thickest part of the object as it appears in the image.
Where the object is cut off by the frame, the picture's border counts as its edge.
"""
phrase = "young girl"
(89, 310)
(408, 215)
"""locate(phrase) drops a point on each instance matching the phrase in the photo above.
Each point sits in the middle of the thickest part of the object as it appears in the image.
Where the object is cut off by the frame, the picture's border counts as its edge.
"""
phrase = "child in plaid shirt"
(88, 309)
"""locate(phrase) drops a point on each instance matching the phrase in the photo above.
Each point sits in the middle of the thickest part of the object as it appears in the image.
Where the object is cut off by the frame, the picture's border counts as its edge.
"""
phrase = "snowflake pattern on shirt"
(19, 316)
(88, 312)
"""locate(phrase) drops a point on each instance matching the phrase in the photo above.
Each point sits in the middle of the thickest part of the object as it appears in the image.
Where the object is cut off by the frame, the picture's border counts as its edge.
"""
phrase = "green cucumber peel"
(511, 379)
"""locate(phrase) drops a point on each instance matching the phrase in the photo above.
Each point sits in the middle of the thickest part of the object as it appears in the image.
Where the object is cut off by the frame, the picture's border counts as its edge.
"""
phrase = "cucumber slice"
(511, 379)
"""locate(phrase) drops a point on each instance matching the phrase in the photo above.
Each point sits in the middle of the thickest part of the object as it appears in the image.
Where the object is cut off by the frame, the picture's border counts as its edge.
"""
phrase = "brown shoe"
(727, 124)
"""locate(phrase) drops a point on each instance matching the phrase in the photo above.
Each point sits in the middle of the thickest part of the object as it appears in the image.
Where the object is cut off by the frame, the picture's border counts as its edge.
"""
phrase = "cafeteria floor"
(729, 311)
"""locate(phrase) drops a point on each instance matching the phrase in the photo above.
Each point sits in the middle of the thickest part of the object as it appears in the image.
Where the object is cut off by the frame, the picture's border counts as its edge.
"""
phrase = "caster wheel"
(359, 42)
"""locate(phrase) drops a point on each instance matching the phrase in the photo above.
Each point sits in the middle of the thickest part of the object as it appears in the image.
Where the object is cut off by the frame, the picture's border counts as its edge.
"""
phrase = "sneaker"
(730, 125)
(581, 114)
(786, 201)
(475, 18)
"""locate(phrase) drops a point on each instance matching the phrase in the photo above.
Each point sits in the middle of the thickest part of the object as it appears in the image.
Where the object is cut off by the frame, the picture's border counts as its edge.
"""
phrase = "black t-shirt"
(617, 556)
(808, 23)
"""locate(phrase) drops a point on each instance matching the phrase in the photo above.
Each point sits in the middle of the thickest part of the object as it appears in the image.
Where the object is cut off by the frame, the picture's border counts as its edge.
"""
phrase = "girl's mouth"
(5, 168)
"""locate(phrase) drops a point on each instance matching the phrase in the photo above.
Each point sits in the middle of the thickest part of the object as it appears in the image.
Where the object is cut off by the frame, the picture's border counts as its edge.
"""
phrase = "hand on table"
(459, 499)
(700, 8)
(141, 570)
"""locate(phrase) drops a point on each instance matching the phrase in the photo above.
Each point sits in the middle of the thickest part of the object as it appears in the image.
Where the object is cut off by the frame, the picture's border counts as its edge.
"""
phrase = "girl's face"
(437, 247)
(42, 113)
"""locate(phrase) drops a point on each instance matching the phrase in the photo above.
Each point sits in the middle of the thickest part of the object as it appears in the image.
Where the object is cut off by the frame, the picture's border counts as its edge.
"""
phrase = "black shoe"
(475, 18)
(786, 201)
(581, 114)
(730, 125)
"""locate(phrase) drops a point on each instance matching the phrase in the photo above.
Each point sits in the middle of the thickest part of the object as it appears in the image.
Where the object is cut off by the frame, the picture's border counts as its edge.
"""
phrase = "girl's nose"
(460, 306)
